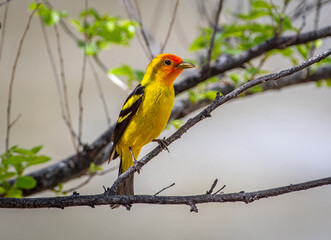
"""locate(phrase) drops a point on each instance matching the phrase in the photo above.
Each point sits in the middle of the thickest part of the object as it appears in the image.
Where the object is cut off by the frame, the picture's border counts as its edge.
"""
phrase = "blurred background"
(253, 143)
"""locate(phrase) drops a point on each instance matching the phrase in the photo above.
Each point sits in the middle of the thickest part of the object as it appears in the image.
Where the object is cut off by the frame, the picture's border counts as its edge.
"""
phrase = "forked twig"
(11, 83)
(170, 26)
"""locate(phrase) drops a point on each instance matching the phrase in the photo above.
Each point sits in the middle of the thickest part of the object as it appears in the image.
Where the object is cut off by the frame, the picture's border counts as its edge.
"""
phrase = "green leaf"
(303, 50)
(123, 70)
(128, 72)
(256, 89)
(287, 23)
(13, 160)
(7, 175)
(328, 82)
(22, 151)
(103, 30)
(177, 123)
(38, 160)
(211, 95)
(25, 182)
(235, 77)
(93, 169)
(262, 4)
(48, 15)
(138, 74)
(2, 190)
(14, 193)
(36, 149)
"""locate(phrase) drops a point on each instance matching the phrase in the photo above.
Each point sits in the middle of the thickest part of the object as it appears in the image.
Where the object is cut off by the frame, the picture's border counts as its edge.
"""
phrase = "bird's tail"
(127, 187)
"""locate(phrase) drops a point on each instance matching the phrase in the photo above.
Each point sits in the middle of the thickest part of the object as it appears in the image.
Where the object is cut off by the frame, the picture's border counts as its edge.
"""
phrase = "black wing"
(133, 102)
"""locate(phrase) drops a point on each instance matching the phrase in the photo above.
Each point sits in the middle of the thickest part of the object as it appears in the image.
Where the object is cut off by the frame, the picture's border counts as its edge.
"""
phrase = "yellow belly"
(151, 117)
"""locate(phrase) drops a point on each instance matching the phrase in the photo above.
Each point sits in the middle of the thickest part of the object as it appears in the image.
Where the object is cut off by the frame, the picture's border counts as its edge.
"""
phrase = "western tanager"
(145, 113)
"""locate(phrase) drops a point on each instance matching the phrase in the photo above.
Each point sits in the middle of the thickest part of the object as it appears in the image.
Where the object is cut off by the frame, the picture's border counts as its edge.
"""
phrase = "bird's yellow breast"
(151, 117)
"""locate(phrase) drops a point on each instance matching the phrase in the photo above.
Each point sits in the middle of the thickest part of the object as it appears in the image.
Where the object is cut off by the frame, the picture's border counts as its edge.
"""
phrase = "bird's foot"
(135, 162)
(163, 143)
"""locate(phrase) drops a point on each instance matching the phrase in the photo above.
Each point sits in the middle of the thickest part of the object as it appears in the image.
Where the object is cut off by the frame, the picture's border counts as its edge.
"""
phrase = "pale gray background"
(258, 142)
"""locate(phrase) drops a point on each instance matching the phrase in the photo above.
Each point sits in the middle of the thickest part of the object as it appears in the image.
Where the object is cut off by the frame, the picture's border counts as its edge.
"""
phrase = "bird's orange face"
(166, 67)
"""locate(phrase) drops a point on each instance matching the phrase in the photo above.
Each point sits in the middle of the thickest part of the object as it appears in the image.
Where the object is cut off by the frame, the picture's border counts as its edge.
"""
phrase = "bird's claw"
(135, 164)
(163, 143)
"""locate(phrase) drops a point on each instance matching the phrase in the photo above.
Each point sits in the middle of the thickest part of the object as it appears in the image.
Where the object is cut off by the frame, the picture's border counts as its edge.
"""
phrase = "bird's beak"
(185, 65)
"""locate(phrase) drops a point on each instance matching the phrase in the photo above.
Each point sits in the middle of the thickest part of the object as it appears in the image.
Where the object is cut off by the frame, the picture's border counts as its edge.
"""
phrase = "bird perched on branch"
(145, 113)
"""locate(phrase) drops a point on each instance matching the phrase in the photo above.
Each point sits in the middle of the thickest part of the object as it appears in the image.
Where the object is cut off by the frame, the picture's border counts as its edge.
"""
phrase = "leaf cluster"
(49, 16)
(13, 163)
(102, 30)
(126, 71)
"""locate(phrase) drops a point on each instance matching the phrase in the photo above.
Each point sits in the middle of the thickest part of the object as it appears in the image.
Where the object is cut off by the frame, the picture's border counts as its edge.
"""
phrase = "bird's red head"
(166, 68)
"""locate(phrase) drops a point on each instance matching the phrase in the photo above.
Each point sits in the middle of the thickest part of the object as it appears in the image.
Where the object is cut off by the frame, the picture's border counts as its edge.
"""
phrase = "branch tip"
(219, 190)
(193, 207)
(212, 187)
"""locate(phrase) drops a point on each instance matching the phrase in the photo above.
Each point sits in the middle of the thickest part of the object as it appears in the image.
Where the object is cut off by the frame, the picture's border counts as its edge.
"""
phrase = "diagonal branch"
(208, 110)
(106, 199)
(227, 62)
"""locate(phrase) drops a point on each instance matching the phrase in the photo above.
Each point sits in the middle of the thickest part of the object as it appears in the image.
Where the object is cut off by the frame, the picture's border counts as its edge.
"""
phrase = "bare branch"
(163, 189)
(227, 62)
(64, 89)
(215, 27)
(81, 87)
(192, 201)
(102, 97)
(316, 20)
(15, 120)
(170, 26)
(113, 78)
(10, 92)
(134, 13)
(89, 178)
(55, 72)
(3, 31)
(212, 187)
(4, 2)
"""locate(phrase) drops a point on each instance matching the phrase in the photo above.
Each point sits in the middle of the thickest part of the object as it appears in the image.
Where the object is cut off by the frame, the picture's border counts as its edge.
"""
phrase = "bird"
(145, 114)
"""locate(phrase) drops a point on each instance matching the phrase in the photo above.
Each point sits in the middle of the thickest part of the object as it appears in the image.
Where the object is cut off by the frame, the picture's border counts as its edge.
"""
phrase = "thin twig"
(316, 20)
(10, 91)
(3, 29)
(212, 187)
(64, 88)
(173, 184)
(63, 24)
(170, 26)
(215, 27)
(219, 190)
(89, 178)
(82, 82)
(55, 72)
(15, 120)
(102, 97)
(113, 78)
(5, 2)
(134, 13)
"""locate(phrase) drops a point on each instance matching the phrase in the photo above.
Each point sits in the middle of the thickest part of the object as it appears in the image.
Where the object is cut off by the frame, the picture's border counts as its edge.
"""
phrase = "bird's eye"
(167, 62)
